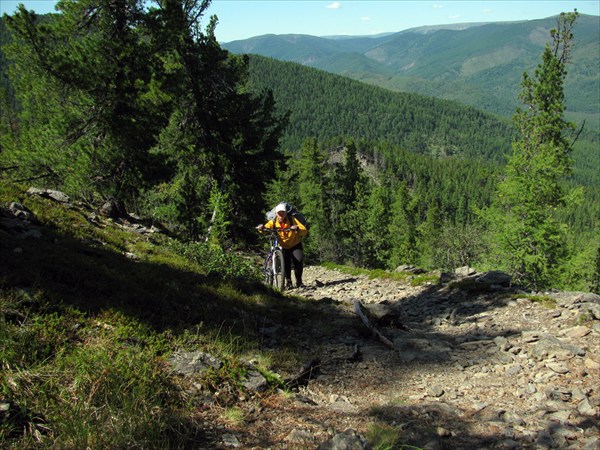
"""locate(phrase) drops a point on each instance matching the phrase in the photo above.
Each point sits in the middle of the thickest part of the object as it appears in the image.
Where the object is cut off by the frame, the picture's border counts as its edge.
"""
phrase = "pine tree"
(349, 194)
(356, 244)
(530, 235)
(134, 100)
(595, 282)
(80, 77)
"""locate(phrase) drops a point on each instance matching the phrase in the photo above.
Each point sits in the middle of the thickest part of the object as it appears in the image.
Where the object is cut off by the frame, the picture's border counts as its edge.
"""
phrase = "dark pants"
(295, 255)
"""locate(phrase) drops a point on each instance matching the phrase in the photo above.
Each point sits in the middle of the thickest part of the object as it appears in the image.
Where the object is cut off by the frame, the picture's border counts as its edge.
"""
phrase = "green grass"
(415, 280)
(85, 381)
(387, 437)
(86, 332)
(543, 300)
(234, 415)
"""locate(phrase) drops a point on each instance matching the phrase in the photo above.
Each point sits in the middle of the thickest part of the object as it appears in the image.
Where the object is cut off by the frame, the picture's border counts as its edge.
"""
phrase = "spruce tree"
(402, 228)
(531, 237)
(310, 169)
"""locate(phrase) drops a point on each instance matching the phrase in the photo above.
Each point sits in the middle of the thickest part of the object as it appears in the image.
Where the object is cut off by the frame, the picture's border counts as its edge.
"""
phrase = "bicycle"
(274, 267)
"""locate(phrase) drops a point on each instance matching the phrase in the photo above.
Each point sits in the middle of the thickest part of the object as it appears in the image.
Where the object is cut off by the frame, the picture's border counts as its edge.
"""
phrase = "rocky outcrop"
(56, 196)
(20, 222)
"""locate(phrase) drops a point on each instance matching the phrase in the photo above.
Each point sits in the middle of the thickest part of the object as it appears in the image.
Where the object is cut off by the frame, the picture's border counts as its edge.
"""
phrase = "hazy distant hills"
(476, 64)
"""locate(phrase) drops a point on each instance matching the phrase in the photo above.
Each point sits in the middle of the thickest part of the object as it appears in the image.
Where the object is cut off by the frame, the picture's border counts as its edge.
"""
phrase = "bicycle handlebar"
(275, 230)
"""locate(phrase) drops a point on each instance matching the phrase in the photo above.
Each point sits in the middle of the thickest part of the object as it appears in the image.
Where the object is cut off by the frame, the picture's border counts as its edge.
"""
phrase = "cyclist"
(290, 241)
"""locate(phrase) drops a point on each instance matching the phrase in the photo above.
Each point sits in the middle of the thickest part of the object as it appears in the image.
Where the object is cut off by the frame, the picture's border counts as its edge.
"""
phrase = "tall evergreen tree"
(229, 138)
(531, 237)
(313, 180)
(134, 100)
(376, 236)
(402, 228)
(80, 77)
(347, 202)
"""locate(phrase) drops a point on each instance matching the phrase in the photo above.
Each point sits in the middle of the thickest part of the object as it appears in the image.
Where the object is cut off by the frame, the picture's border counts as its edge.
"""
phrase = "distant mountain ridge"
(479, 64)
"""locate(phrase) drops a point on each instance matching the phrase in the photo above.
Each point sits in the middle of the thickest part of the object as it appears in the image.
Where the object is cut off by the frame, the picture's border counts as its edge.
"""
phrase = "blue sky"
(241, 19)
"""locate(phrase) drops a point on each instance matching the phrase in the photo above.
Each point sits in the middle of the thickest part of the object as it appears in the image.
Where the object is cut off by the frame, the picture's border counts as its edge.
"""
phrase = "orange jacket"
(288, 239)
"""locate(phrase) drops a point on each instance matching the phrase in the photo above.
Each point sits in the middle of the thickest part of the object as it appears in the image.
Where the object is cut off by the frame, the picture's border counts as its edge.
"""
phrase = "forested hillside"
(324, 106)
(327, 106)
(435, 164)
(478, 65)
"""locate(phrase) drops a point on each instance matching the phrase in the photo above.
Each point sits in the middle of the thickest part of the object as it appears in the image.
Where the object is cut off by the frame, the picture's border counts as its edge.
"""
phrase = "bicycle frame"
(274, 268)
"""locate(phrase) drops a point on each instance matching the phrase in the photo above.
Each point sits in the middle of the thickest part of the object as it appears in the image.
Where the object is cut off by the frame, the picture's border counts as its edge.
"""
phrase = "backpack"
(292, 211)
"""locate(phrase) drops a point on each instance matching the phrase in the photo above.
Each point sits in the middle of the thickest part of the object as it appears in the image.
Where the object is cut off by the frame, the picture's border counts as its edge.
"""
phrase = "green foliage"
(581, 271)
(545, 301)
(235, 416)
(458, 246)
(221, 210)
(100, 378)
(327, 106)
(79, 382)
(532, 238)
(78, 79)
(384, 437)
(425, 279)
(374, 214)
(595, 281)
(402, 227)
(373, 205)
(134, 101)
(217, 261)
(480, 65)
(394, 182)
(387, 437)
(179, 203)
(441, 191)
(85, 331)
(308, 178)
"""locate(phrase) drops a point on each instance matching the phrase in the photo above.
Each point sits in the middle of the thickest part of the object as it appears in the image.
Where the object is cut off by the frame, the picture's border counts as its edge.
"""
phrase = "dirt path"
(473, 370)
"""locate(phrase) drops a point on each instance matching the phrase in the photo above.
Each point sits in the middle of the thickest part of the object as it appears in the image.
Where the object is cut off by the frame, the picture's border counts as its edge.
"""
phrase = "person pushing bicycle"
(290, 239)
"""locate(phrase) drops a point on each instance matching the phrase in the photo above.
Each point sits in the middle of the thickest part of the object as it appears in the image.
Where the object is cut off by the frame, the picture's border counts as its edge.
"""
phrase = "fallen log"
(358, 309)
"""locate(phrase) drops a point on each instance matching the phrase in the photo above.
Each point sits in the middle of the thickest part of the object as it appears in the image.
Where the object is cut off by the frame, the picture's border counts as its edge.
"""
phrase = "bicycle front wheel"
(268, 270)
(278, 269)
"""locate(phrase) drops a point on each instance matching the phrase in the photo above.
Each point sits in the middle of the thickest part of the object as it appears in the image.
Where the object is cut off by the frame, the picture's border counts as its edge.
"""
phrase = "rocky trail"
(476, 367)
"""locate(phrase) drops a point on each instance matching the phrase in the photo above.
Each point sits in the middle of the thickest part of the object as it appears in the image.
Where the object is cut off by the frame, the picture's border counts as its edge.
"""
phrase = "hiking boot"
(299, 284)
(288, 284)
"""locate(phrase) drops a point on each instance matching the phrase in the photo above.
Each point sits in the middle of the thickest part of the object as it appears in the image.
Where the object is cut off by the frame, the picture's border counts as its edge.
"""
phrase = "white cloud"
(334, 5)
(454, 16)
(365, 18)
(437, 6)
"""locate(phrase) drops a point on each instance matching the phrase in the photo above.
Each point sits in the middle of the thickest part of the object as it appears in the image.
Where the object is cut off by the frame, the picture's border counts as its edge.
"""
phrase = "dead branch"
(358, 309)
